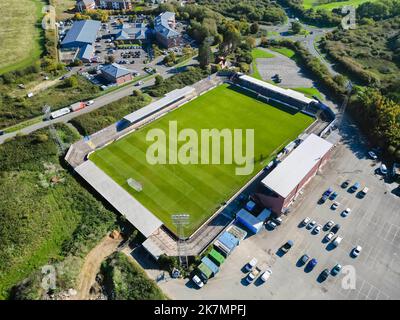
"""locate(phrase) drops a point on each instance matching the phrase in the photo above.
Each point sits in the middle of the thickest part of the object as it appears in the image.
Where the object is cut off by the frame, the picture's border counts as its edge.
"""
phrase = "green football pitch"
(199, 189)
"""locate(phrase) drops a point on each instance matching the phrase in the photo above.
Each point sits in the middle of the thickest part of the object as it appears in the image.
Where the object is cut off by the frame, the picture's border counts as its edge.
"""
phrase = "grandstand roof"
(159, 104)
(119, 198)
(292, 170)
(84, 31)
(288, 92)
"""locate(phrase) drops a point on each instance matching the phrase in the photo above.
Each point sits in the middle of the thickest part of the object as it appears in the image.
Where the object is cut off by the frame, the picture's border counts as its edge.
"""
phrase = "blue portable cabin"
(228, 240)
(211, 265)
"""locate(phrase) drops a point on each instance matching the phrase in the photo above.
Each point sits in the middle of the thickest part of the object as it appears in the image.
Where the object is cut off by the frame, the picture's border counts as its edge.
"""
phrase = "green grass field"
(199, 189)
(329, 6)
(20, 33)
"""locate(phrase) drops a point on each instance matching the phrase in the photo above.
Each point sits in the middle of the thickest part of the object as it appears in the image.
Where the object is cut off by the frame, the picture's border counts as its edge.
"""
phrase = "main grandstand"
(201, 191)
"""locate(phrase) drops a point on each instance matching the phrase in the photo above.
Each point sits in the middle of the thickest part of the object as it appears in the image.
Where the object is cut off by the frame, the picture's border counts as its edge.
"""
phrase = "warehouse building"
(281, 186)
(82, 33)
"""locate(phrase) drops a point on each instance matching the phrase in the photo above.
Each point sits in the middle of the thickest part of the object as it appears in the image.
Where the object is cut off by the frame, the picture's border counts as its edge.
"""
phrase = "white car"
(311, 224)
(329, 236)
(305, 221)
(251, 264)
(337, 241)
(197, 281)
(372, 155)
(334, 205)
(265, 276)
(356, 251)
(346, 212)
(383, 169)
(328, 225)
(90, 102)
(317, 229)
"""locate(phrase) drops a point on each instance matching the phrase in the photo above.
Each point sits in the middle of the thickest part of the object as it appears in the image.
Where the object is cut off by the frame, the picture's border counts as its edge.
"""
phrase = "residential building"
(133, 33)
(165, 32)
(83, 5)
(114, 4)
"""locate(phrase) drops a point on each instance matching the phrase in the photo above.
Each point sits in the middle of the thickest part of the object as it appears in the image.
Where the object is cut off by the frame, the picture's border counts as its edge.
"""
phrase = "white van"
(337, 241)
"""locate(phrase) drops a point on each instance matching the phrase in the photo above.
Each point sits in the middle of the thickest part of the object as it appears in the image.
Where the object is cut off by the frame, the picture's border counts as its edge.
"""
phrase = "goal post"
(136, 185)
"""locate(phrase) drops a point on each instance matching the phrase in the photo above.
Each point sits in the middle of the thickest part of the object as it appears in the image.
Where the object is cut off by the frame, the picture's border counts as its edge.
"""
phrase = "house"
(165, 32)
(114, 73)
(133, 33)
(83, 5)
(114, 4)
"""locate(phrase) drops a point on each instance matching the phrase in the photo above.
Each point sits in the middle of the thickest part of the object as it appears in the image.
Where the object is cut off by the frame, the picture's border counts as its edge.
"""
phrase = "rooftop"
(115, 70)
(289, 173)
(288, 92)
(84, 31)
(162, 24)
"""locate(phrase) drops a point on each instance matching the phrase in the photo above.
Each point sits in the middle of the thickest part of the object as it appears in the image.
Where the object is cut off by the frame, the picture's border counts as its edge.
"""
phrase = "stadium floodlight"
(181, 221)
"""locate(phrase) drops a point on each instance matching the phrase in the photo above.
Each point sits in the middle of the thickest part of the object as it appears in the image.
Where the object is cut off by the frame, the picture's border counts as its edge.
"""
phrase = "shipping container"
(216, 257)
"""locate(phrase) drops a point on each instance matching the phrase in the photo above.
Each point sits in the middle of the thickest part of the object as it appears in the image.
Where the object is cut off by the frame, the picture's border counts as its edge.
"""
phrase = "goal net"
(136, 185)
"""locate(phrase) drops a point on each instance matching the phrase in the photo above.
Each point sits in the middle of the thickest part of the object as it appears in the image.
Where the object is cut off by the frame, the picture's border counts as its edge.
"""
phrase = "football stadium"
(197, 189)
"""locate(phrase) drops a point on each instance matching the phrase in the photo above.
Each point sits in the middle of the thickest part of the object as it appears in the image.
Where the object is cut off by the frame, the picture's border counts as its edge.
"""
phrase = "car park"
(329, 236)
(335, 228)
(328, 225)
(336, 269)
(356, 251)
(337, 241)
(305, 221)
(265, 276)
(251, 264)
(346, 212)
(372, 155)
(197, 281)
(311, 224)
(334, 205)
(324, 274)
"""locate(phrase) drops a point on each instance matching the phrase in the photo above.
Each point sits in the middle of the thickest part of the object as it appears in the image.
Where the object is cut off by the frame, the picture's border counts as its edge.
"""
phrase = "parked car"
(324, 274)
(304, 258)
(252, 275)
(336, 269)
(345, 184)
(311, 224)
(328, 225)
(265, 276)
(346, 212)
(329, 236)
(372, 155)
(305, 221)
(317, 229)
(354, 187)
(271, 224)
(383, 169)
(328, 192)
(323, 199)
(363, 192)
(334, 205)
(287, 246)
(356, 251)
(335, 228)
(337, 241)
(197, 281)
(251, 264)
(313, 262)
(333, 196)
(278, 220)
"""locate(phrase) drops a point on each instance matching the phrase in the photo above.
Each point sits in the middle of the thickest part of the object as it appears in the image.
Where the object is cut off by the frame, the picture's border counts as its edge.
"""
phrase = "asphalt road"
(101, 101)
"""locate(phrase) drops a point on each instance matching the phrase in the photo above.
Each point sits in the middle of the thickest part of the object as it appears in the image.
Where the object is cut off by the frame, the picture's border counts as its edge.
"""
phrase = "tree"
(71, 82)
(110, 59)
(251, 42)
(205, 55)
(254, 28)
(231, 38)
(159, 79)
(296, 27)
